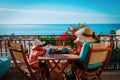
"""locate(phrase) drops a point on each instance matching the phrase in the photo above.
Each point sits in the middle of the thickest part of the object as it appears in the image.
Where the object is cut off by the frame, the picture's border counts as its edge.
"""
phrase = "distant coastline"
(51, 29)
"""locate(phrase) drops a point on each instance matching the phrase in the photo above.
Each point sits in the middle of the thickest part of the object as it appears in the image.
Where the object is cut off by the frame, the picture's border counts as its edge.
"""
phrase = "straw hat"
(37, 43)
(85, 34)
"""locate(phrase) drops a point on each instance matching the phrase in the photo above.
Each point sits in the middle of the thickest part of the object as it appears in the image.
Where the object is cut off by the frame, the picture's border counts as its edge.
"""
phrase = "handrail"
(114, 63)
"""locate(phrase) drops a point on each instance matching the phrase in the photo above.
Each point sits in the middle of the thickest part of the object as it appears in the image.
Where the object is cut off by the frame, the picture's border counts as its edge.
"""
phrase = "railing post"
(25, 40)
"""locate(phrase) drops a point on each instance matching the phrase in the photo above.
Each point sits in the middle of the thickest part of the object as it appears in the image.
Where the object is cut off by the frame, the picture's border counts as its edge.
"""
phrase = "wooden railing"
(26, 40)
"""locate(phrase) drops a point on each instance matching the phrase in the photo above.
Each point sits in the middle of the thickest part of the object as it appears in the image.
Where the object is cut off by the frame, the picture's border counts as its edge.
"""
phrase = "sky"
(59, 11)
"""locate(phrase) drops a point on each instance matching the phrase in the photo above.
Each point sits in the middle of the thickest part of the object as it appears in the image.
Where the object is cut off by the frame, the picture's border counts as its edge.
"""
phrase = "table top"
(59, 57)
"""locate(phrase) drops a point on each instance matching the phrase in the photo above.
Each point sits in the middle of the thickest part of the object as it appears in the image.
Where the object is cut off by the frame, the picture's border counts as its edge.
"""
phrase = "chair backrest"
(20, 60)
(99, 52)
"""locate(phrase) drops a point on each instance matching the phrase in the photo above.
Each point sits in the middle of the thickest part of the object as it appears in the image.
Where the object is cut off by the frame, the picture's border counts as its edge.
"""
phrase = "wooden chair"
(21, 62)
(99, 52)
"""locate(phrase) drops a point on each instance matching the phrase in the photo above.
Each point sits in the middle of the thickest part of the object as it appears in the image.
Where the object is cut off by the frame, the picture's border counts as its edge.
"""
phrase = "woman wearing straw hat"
(89, 37)
(38, 50)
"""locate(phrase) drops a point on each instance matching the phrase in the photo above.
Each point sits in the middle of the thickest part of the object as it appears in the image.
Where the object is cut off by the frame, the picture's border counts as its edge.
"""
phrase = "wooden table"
(53, 61)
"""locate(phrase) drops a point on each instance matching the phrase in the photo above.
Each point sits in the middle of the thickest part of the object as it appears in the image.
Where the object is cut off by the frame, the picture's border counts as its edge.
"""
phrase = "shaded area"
(14, 74)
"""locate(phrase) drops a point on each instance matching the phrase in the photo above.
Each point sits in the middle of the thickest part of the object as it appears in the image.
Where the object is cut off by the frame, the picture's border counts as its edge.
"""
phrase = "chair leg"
(43, 76)
(84, 79)
(96, 78)
(74, 71)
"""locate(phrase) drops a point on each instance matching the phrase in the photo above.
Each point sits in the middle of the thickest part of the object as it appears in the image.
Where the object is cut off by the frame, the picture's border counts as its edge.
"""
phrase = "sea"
(52, 29)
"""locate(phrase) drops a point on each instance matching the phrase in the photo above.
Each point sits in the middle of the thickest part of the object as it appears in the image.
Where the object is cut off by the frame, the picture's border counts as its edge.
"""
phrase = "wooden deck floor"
(15, 75)
(110, 76)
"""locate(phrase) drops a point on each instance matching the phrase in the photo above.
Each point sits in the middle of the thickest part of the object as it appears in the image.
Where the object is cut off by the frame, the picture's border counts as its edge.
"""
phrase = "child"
(38, 50)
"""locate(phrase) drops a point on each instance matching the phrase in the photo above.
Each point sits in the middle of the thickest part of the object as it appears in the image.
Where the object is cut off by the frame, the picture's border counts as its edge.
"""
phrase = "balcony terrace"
(112, 71)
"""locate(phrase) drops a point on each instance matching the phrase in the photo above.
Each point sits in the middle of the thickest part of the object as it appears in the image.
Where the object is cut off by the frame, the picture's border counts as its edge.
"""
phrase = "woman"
(88, 36)
(38, 50)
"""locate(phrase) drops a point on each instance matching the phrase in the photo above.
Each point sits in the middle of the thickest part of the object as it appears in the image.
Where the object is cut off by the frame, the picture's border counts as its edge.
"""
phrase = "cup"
(51, 51)
(64, 50)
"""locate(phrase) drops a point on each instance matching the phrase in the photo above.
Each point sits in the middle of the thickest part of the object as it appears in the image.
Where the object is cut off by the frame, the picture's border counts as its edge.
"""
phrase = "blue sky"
(59, 11)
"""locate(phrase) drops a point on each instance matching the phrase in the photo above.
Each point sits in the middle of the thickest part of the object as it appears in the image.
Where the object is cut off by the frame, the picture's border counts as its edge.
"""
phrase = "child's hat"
(37, 43)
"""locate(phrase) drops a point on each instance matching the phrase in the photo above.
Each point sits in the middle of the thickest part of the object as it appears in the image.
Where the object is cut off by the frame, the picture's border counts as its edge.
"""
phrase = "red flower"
(64, 37)
(74, 30)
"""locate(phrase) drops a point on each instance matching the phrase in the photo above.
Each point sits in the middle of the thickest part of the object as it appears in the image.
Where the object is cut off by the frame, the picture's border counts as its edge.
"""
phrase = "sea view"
(55, 22)
(50, 29)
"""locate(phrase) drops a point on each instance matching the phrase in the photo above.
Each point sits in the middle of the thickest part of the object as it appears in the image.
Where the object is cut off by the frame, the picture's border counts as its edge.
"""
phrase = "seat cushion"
(5, 63)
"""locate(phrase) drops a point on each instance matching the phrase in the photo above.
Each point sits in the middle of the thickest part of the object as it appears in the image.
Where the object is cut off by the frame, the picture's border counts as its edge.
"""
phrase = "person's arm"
(41, 52)
(44, 51)
(84, 52)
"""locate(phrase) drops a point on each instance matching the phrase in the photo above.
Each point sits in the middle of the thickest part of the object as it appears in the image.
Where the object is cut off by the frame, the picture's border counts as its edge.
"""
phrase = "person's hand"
(77, 41)
(44, 50)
